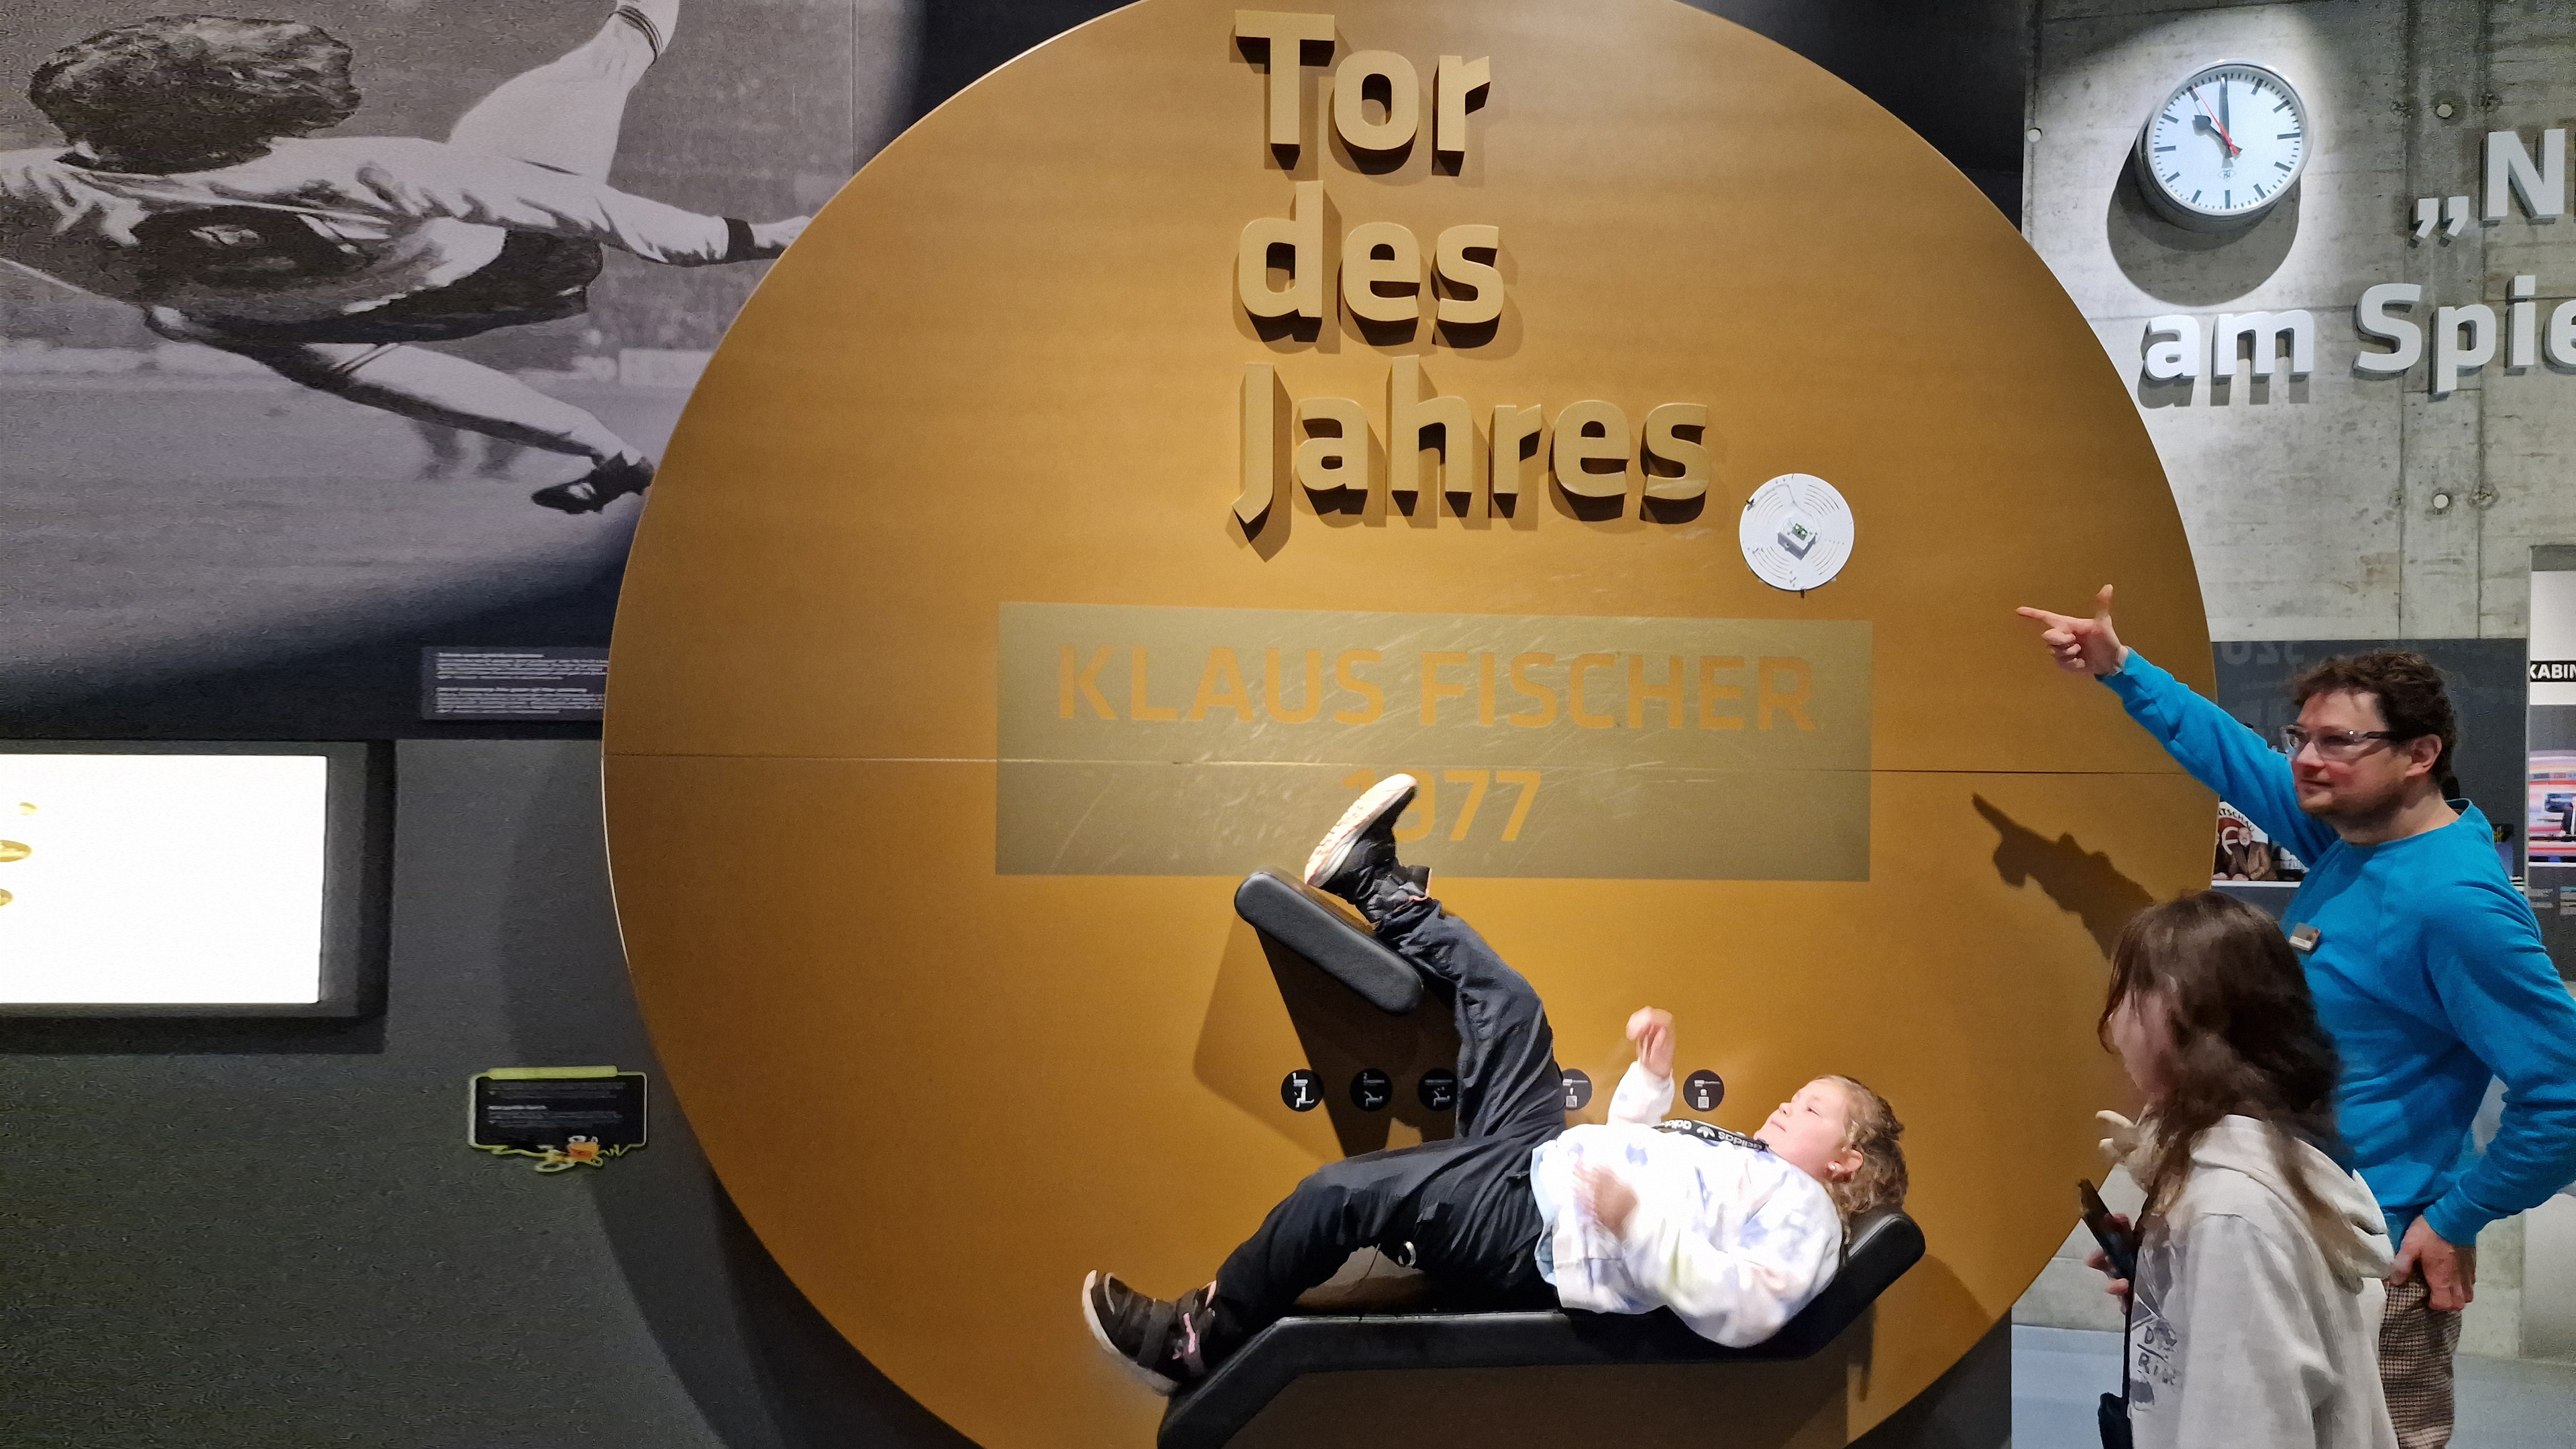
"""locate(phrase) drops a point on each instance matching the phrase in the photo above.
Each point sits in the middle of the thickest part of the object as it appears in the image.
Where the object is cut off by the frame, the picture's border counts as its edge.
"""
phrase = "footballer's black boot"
(1356, 858)
(597, 488)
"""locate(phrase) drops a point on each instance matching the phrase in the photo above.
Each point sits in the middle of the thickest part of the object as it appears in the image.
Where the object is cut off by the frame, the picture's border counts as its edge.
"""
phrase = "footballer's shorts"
(535, 278)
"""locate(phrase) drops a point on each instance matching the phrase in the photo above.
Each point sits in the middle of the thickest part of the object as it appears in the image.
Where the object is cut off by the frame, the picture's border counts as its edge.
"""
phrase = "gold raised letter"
(1449, 256)
(1363, 270)
(1578, 444)
(1455, 81)
(1334, 461)
(1302, 232)
(1664, 445)
(1403, 101)
(1260, 442)
(1288, 35)
(1409, 415)
(1513, 426)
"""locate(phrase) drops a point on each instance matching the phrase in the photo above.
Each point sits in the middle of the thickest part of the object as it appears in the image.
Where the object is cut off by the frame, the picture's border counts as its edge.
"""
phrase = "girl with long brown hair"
(2254, 1317)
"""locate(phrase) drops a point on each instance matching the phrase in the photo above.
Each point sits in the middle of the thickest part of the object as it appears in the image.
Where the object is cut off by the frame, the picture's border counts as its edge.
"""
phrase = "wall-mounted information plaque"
(565, 1117)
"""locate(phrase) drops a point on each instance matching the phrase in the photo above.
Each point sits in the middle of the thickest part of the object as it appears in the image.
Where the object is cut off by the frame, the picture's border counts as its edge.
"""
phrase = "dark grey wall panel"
(272, 1233)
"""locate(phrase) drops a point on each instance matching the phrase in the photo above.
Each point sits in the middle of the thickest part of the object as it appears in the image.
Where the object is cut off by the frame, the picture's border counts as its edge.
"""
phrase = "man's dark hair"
(190, 92)
(2407, 686)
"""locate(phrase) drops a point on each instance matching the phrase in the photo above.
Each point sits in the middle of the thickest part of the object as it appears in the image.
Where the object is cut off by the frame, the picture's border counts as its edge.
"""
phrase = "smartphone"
(2119, 1244)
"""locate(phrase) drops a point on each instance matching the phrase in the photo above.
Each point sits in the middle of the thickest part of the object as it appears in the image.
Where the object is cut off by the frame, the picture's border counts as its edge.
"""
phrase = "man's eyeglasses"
(2334, 745)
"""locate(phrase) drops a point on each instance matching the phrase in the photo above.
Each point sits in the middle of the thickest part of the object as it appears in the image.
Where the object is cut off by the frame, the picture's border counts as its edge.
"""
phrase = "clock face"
(2225, 145)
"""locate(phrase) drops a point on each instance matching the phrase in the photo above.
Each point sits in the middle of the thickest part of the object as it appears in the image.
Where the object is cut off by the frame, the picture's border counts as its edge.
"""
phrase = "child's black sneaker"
(1164, 1345)
(1356, 858)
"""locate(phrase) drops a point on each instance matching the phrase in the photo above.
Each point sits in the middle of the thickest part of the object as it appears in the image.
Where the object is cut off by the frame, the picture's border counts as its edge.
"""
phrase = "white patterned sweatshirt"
(1725, 1234)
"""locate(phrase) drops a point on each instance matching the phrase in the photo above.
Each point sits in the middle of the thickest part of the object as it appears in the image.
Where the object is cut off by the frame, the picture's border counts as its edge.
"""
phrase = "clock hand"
(2214, 123)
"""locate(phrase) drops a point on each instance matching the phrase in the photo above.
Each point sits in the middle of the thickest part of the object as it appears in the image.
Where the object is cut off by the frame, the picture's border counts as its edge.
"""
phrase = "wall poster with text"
(2549, 816)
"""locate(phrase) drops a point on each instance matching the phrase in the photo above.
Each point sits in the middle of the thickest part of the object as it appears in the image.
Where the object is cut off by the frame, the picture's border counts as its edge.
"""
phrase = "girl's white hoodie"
(2246, 1333)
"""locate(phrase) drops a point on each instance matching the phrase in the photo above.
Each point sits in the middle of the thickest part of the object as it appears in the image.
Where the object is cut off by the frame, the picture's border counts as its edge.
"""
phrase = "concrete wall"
(2311, 505)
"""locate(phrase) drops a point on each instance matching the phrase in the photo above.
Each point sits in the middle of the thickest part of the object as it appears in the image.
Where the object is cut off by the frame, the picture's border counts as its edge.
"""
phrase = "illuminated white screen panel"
(151, 879)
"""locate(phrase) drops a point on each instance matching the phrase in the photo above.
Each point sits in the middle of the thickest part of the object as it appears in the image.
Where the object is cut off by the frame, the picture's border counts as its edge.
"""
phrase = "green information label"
(1165, 741)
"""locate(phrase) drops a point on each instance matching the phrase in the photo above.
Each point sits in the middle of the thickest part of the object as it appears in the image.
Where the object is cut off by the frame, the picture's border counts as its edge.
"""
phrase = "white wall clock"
(2225, 146)
(1796, 532)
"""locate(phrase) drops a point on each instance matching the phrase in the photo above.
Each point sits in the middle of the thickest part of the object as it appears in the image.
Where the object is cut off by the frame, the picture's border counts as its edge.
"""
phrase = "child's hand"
(1605, 1197)
(1652, 1030)
(2123, 1141)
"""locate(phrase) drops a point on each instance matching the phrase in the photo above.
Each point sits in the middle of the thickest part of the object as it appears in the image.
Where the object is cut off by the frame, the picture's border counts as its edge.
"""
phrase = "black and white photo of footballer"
(299, 306)
(197, 184)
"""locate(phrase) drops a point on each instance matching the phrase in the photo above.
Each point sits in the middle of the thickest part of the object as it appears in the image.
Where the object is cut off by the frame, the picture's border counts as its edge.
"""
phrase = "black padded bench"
(1880, 1248)
(1330, 935)
(1213, 1411)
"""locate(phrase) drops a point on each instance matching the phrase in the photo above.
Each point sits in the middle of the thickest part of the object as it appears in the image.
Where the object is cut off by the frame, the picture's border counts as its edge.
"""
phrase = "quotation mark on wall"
(2450, 213)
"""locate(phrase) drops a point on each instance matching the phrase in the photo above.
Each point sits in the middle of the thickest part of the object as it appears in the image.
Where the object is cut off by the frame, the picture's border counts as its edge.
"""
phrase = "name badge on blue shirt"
(2304, 938)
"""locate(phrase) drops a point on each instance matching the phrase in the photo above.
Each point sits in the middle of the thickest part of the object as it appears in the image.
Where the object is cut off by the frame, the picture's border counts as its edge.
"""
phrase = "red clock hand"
(2223, 138)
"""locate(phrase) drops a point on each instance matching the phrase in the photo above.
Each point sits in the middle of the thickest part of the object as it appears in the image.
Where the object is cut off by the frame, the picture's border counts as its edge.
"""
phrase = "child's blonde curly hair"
(1871, 1129)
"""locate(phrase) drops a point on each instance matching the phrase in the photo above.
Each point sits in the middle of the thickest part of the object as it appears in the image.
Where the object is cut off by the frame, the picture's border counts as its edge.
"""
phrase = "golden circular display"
(953, 691)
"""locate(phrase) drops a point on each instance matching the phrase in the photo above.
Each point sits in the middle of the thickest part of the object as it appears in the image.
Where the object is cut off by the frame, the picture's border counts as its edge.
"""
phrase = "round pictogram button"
(1302, 1090)
(1372, 1089)
(1703, 1090)
(1439, 1089)
(1578, 1090)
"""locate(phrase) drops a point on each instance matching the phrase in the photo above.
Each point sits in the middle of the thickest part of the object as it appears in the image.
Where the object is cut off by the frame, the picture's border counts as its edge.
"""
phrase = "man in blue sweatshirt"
(2425, 961)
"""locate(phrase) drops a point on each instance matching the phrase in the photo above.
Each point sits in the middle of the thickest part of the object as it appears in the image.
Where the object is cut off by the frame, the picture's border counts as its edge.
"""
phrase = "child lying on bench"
(1517, 1211)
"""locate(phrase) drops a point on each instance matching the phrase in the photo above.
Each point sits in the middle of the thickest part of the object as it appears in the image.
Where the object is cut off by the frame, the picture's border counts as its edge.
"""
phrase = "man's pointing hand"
(2082, 646)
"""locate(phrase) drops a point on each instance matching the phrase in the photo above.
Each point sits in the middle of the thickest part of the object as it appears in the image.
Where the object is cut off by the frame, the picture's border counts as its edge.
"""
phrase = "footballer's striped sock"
(655, 20)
